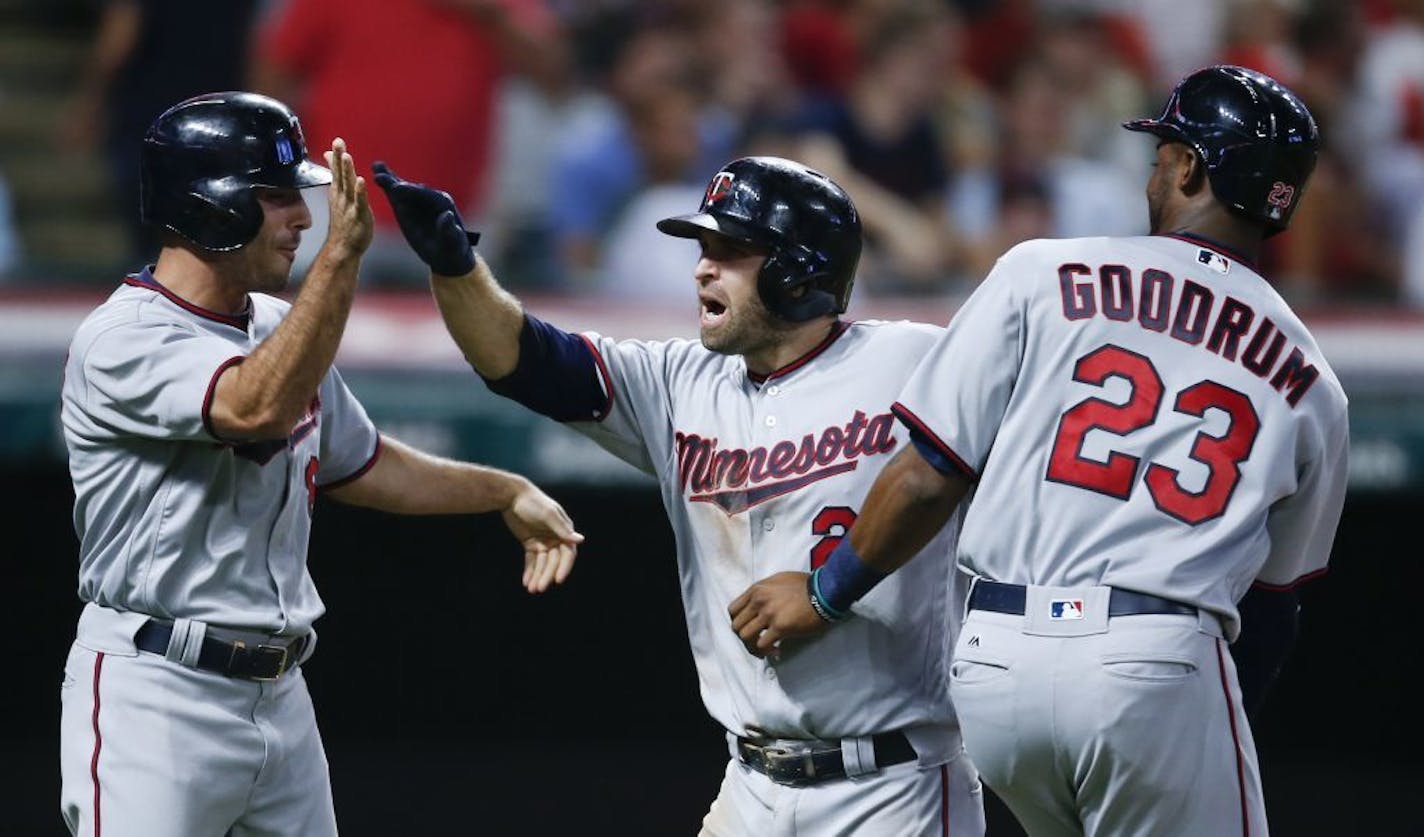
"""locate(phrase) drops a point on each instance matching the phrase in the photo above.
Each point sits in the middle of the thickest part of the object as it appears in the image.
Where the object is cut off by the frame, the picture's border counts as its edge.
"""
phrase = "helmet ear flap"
(791, 269)
(214, 226)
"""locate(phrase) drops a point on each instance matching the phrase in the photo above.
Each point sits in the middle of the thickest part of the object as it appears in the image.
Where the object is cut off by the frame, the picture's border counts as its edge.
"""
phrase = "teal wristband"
(818, 602)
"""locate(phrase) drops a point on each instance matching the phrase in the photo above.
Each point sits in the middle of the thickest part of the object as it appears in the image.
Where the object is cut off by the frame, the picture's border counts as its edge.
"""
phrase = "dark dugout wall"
(452, 702)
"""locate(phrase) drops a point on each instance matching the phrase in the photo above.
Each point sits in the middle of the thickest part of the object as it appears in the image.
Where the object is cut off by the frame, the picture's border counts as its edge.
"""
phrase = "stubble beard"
(743, 332)
(271, 276)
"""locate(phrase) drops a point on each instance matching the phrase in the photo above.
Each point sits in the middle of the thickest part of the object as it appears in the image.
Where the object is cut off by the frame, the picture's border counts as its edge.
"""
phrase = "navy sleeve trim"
(557, 375)
(1290, 585)
(603, 375)
(358, 473)
(922, 435)
(213, 391)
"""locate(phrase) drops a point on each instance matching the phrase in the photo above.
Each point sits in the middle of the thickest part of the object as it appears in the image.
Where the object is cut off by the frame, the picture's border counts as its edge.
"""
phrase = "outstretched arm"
(908, 504)
(544, 368)
(406, 481)
(484, 319)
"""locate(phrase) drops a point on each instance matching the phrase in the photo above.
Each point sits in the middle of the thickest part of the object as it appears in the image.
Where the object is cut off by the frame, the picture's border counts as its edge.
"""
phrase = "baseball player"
(764, 437)
(202, 417)
(1150, 430)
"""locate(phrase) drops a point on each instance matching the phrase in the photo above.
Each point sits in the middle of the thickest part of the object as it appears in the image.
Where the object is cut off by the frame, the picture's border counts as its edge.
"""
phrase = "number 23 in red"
(1222, 455)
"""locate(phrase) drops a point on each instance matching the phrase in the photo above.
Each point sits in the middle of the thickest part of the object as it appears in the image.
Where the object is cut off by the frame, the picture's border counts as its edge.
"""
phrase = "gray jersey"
(173, 521)
(1144, 413)
(764, 476)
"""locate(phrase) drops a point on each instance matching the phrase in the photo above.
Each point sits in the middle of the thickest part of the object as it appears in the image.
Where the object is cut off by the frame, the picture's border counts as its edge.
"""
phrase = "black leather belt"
(232, 659)
(800, 763)
(1010, 598)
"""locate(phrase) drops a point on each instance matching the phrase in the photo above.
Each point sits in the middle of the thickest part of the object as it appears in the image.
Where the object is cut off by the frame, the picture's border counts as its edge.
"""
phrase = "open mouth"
(713, 312)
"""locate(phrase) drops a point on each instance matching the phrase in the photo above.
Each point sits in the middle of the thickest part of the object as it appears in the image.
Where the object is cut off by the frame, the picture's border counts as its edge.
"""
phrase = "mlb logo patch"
(1213, 260)
(1065, 609)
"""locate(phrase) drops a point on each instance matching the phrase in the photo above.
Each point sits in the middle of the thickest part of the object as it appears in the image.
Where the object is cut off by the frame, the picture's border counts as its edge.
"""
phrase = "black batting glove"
(430, 223)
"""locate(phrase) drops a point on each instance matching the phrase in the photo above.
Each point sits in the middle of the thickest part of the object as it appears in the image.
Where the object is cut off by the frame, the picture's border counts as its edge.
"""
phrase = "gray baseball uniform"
(178, 525)
(761, 475)
(1146, 415)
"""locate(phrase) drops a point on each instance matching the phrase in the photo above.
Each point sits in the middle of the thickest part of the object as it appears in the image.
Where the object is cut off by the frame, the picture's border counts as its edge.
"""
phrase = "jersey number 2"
(832, 523)
(1222, 455)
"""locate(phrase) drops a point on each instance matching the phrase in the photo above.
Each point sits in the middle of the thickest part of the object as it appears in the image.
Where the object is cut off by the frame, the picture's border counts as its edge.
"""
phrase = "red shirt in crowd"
(410, 82)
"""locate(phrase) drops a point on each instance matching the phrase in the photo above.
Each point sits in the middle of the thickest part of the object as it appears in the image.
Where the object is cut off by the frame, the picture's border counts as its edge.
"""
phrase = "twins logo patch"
(719, 188)
(1065, 609)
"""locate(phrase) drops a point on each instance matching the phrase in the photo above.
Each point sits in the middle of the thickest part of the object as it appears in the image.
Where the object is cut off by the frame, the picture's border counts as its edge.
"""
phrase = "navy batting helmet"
(805, 222)
(203, 156)
(1256, 138)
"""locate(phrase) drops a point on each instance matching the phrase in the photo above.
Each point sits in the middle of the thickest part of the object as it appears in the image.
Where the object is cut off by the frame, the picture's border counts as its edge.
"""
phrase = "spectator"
(533, 114)
(1334, 249)
(599, 166)
(1412, 290)
(964, 110)
(1181, 37)
(880, 143)
(146, 55)
(1260, 35)
(820, 46)
(1038, 188)
(736, 50)
(1097, 88)
(641, 263)
(10, 250)
(412, 83)
(1386, 134)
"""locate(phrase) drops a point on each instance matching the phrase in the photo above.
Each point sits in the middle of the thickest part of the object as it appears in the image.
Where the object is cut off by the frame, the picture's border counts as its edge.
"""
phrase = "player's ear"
(1191, 171)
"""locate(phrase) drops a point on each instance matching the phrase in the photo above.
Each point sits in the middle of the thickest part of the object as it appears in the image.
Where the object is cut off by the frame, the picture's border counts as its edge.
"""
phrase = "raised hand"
(351, 226)
(430, 223)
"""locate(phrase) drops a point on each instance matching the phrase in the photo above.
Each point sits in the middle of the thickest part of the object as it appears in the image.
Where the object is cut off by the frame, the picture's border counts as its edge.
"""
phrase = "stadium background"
(449, 700)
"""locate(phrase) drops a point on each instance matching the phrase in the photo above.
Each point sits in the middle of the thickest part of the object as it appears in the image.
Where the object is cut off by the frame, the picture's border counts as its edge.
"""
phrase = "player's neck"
(795, 344)
(1220, 227)
(198, 281)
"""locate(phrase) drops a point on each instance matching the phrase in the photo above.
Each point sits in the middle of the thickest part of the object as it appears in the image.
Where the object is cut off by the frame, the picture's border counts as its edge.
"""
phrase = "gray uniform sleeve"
(636, 428)
(1302, 526)
(349, 441)
(956, 398)
(153, 380)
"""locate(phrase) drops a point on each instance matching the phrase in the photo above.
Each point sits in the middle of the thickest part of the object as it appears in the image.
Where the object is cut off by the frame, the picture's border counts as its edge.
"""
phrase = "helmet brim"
(301, 176)
(694, 225)
(1153, 126)
(688, 226)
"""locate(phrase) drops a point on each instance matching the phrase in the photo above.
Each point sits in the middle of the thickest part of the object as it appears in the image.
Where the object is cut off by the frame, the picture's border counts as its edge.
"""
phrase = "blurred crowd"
(960, 127)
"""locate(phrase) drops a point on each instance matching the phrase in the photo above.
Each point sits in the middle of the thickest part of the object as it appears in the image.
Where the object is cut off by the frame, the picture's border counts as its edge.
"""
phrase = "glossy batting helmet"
(203, 156)
(805, 222)
(1256, 138)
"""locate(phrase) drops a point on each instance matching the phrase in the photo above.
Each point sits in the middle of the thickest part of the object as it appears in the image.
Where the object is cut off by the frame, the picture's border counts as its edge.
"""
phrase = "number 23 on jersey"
(1222, 455)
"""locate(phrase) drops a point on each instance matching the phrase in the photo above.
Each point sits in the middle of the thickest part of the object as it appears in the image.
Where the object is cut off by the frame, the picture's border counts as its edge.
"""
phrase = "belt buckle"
(282, 650)
(793, 766)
